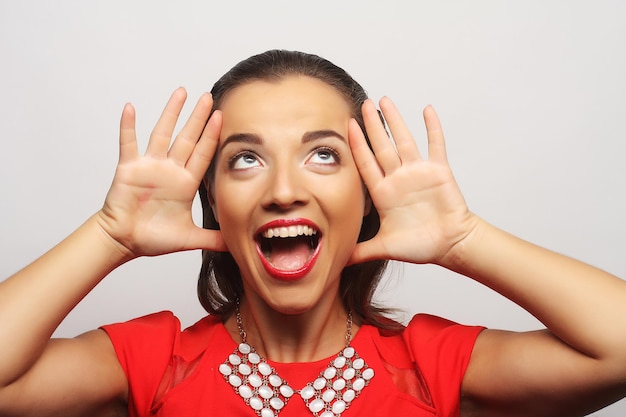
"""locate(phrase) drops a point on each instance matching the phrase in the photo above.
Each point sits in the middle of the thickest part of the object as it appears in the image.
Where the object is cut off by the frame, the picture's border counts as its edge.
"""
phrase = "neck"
(306, 337)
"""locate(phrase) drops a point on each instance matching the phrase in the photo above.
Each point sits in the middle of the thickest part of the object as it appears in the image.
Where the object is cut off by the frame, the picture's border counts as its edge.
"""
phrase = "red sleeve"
(441, 349)
(144, 347)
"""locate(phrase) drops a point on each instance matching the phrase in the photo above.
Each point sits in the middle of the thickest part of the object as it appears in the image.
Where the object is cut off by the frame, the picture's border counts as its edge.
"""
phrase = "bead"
(328, 395)
(256, 403)
(244, 369)
(349, 373)
(330, 373)
(286, 391)
(234, 380)
(266, 412)
(275, 380)
(358, 384)
(245, 391)
(276, 403)
(266, 392)
(368, 374)
(349, 395)
(263, 390)
(339, 384)
(348, 352)
(316, 405)
(255, 380)
(307, 392)
(225, 369)
(339, 407)
(264, 369)
(339, 362)
(319, 383)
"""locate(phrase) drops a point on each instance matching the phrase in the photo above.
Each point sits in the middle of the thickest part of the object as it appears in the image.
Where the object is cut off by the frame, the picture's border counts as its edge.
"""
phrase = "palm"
(422, 211)
(148, 208)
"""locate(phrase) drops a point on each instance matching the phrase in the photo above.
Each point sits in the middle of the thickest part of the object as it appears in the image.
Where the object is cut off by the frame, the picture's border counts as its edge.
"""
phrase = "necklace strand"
(244, 336)
(263, 390)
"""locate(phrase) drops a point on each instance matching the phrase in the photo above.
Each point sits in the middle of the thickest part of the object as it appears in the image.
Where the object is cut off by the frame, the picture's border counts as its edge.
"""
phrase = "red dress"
(174, 373)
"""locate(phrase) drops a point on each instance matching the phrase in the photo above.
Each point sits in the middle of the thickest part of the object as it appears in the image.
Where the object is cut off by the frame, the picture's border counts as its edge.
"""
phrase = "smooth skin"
(147, 212)
(291, 164)
(576, 366)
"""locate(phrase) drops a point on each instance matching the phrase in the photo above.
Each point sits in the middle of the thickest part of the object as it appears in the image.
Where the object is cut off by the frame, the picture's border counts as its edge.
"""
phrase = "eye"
(243, 160)
(325, 156)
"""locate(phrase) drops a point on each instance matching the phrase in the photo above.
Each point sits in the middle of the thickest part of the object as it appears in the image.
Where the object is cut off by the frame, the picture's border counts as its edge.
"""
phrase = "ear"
(211, 197)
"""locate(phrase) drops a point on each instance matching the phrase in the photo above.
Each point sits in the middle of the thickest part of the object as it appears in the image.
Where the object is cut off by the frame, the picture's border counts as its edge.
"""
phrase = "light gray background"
(531, 95)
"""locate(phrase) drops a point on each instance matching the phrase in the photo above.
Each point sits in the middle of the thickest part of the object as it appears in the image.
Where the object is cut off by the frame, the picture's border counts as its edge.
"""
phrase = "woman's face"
(288, 196)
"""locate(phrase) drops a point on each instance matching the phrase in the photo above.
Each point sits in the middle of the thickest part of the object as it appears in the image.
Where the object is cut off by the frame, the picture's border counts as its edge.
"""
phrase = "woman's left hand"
(578, 365)
(423, 214)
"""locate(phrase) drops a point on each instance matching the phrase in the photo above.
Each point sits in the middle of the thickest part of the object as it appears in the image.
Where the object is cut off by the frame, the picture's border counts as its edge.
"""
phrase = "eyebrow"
(255, 139)
(242, 138)
(320, 134)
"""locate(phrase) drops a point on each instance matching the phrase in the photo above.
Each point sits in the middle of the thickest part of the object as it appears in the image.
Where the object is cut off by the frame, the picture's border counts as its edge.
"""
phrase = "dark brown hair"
(219, 283)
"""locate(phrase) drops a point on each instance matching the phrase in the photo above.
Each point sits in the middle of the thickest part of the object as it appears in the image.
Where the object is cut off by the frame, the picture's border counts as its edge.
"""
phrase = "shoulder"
(437, 351)
(440, 344)
(155, 352)
(426, 328)
(161, 331)
(426, 337)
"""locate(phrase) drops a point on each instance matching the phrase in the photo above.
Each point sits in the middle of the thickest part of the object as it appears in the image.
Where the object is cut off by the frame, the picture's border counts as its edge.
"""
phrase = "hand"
(148, 208)
(423, 214)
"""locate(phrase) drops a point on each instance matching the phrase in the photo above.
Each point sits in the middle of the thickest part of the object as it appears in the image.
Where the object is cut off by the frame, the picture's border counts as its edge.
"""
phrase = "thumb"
(365, 251)
(212, 240)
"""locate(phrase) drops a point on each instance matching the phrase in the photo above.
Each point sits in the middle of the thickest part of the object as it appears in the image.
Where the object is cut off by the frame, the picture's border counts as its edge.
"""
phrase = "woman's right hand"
(147, 210)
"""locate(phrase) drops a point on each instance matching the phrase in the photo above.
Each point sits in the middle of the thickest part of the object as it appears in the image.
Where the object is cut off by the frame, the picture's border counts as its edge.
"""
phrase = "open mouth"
(288, 251)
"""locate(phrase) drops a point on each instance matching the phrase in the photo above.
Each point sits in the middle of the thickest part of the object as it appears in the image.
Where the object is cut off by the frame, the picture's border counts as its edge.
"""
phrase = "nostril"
(285, 189)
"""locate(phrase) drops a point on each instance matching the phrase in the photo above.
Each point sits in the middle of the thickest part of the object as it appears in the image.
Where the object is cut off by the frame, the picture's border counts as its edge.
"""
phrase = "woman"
(300, 217)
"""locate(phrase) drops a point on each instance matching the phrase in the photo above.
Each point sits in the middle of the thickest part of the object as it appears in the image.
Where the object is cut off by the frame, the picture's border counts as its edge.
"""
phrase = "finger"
(206, 239)
(162, 133)
(204, 150)
(128, 138)
(405, 144)
(365, 252)
(436, 142)
(186, 140)
(379, 138)
(364, 159)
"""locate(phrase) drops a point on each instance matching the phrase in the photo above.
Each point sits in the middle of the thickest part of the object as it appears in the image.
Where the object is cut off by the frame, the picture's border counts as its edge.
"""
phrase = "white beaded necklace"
(261, 388)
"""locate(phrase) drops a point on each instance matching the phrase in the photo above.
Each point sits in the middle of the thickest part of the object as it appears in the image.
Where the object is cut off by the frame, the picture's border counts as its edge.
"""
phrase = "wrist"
(113, 249)
(461, 254)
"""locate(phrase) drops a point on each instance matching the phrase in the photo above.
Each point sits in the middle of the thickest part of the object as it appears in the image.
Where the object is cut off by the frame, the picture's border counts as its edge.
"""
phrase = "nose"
(285, 189)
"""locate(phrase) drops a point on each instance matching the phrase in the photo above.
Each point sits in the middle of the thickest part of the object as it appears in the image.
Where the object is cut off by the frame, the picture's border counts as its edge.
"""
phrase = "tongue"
(289, 254)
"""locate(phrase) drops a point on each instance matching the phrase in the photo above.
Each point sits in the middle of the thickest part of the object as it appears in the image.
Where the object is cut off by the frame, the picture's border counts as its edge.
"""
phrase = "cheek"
(346, 205)
(232, 205)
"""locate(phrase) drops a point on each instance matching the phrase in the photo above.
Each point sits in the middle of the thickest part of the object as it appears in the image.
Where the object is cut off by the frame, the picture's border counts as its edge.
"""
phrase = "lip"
(286, 223)
(291, 275)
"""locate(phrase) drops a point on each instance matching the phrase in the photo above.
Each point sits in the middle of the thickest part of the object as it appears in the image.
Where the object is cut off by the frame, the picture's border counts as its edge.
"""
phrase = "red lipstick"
(283, 227)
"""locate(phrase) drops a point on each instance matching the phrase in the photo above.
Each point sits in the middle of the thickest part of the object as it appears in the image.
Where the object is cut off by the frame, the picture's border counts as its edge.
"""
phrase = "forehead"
(293, 102)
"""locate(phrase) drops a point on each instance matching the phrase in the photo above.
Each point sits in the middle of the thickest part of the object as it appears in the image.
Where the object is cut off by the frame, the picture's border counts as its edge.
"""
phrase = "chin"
(296, 300)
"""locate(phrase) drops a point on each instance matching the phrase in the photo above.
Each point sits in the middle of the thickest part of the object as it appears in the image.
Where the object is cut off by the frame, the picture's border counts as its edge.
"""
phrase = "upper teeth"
(291, 231)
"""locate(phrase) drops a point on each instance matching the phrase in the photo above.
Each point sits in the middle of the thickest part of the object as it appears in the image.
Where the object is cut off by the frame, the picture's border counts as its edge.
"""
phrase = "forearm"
(580, 304)
(34, 301)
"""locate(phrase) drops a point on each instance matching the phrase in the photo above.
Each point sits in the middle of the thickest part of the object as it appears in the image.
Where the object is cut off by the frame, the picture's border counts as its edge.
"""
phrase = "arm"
(576, 367)
(36, 372)
(579, 364)
(147, 212)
